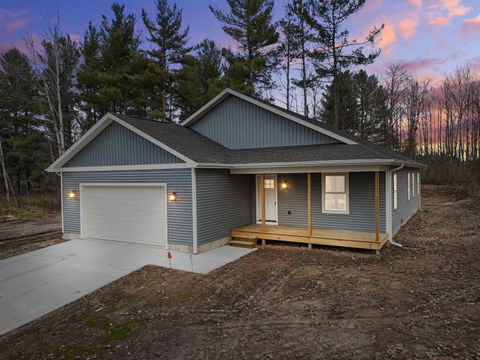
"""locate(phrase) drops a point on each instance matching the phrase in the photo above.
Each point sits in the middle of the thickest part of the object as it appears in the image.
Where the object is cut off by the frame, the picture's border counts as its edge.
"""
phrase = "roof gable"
(117, 145)
(314, 125)
(238, 124)
(97, 129)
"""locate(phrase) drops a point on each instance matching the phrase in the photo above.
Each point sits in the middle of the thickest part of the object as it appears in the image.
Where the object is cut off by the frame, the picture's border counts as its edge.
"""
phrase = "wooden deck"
(319, 236)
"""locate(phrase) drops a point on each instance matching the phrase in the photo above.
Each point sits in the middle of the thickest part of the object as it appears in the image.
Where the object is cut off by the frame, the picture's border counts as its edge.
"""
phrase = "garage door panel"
(125, 213)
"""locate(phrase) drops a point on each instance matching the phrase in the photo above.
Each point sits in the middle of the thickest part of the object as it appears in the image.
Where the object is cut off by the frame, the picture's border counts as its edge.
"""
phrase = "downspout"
(391, 241)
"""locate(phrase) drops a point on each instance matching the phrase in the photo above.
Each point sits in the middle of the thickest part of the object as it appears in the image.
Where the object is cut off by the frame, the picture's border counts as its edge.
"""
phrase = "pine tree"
(18, 95)
(288, 50)
(63, 52)
(23, 150)
(88, 78)
(371, 99)
(362, 105)
(335, 50)
(346, 108)
(249, 22)
(201, 77)
(119, 44)
(302, 36)
(115, 75)
(170, 43)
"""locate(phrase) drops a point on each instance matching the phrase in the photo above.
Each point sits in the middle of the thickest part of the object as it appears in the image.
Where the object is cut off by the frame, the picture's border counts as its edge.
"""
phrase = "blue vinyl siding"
(361, 197)
(238, 124)
(117, 145)
(224, 202)
(405, 208)
(179, 213)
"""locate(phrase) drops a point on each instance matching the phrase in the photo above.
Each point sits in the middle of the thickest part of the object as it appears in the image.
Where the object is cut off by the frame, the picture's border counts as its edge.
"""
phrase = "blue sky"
(431, 36)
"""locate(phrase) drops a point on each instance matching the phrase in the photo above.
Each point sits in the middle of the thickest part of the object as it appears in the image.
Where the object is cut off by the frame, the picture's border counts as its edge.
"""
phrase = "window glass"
(269, 183)
(395, 191)
(408, 187)
(335, 184)
(335, 196)
(413, 185)
(336, 202)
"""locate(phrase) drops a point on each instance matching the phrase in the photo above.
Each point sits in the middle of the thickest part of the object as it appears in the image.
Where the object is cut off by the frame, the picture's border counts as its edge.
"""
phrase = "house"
(239, 167)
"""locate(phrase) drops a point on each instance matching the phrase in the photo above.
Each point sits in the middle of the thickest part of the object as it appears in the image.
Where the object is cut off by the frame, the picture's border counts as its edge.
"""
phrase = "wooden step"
(243, 242)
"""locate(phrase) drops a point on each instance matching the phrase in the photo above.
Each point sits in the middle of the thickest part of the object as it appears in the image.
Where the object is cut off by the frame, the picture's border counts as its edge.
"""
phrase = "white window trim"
(409, 187)
(395, 192)
(347, 191)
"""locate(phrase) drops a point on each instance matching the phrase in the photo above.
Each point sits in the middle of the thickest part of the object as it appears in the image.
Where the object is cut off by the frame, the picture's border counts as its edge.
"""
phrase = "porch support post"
(377, 206)
(262, 194)
(388, 202)
(309, 189)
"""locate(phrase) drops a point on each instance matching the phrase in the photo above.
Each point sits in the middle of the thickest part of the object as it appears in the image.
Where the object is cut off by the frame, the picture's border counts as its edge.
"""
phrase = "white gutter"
(391, 241)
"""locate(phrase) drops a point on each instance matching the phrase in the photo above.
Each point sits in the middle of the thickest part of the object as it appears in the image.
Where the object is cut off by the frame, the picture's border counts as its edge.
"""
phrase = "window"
(413, 185)
(418, 183)
(395, 192)
(269, 184)
(335, 193)
(409, 188)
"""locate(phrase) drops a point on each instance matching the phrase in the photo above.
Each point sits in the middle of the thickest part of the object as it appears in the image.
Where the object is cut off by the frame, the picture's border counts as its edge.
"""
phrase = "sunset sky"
(431, 36)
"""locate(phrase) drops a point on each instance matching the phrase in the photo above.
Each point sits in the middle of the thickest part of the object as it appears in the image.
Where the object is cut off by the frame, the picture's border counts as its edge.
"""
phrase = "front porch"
(249, 234)
(296, 211)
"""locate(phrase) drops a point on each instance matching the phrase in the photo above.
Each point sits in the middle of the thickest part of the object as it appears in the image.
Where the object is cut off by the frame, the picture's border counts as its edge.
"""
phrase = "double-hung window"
(409, 187)
(335, 193)
(418, 183)
(395, 191)
(413, 185)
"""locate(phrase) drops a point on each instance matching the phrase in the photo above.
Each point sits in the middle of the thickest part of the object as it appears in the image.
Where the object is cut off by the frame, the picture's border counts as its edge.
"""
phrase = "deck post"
(309, 189)
(377, 206)
(262, 193)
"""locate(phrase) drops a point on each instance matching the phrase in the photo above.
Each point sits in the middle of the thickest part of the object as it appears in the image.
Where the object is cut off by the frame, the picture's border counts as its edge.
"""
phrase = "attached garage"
(135, 213)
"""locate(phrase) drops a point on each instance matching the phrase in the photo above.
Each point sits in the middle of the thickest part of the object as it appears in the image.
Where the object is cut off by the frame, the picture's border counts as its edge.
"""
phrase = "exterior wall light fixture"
(284, 185)
(71, 194)
(173, 196)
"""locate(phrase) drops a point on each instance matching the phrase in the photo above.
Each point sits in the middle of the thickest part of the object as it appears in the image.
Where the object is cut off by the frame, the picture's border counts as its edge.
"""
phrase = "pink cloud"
(424, 65)
(407, 28)
(75, 37)
(444, 11)
(471, 27)
(417, 3)
(475, 65)
(388, 36)
(15, 24)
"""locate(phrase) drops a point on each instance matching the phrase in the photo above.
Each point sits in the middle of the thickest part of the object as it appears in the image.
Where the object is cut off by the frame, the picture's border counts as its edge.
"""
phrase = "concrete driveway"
(40, 281)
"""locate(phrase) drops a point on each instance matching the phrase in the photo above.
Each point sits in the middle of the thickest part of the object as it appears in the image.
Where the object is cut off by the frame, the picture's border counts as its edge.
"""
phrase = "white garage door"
(125, 213)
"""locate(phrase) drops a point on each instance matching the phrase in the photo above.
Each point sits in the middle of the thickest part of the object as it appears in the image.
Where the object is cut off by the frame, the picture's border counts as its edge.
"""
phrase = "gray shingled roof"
(206, 151)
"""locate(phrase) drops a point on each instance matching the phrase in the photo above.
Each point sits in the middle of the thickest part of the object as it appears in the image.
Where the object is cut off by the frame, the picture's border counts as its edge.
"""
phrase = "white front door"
(270, 188)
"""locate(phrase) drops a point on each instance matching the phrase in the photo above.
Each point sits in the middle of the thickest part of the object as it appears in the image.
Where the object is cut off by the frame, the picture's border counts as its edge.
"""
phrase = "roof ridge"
(145, 119)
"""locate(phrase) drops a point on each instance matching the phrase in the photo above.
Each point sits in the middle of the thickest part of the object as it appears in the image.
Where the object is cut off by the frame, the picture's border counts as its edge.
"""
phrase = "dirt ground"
(20, 236)
(421, 301)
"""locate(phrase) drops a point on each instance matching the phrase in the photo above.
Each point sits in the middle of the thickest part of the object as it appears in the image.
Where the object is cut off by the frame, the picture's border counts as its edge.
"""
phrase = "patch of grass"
(118, 332)
(111, 333)
(29, 206)
(187, 295)
(93, 323)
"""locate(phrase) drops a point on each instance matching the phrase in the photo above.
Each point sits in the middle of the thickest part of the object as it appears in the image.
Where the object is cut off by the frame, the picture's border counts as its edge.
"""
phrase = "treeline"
(308, 62)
